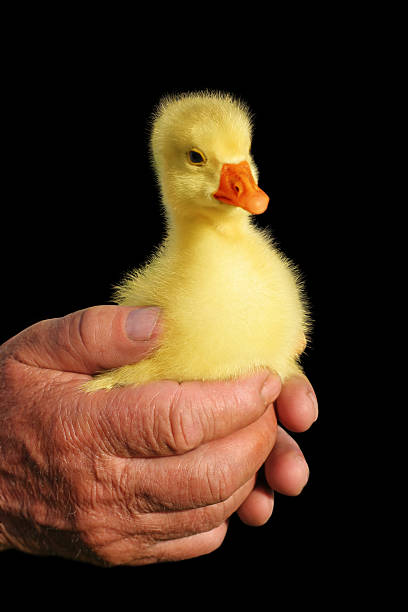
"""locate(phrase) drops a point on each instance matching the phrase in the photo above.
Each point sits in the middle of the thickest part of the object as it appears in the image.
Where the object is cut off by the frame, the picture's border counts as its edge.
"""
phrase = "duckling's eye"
(196, 157)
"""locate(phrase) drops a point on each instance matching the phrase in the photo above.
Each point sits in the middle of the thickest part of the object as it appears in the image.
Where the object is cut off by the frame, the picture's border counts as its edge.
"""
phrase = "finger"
(122, 551)
(184, 548)
(208, 475)
(286, 470)
(184, 523)
(166, 418)
(257, 509)
(90, 340)
(171, 525)
(297, 404)
(122, 530)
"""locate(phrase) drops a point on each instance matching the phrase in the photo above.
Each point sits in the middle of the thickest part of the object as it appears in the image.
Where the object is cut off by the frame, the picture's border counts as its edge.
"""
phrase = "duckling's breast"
(228, 309)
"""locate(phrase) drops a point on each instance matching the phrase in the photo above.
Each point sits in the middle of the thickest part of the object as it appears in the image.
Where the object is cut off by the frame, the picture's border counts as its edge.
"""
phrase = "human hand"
(285, 470)
(130, 476)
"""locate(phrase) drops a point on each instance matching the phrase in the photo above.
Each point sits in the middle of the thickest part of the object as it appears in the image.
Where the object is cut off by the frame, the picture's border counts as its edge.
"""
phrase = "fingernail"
(312, 397)
(141, 322)
(270, 388)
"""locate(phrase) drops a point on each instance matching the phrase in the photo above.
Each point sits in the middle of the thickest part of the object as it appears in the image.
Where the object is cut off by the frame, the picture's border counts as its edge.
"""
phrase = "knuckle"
(210, 517)
(10, 372)
(80, 332)
(175, 427)
(216, 483)
(108, 521)
(95, 526)
(82, 327)
(95, 542)
(184, 431)
(221, 485)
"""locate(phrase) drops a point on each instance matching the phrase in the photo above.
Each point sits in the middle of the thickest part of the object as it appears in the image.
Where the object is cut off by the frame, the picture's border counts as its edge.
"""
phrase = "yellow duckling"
(231, 302)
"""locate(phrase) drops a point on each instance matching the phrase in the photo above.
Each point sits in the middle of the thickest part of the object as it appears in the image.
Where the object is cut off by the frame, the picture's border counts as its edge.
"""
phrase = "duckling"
(231, 301)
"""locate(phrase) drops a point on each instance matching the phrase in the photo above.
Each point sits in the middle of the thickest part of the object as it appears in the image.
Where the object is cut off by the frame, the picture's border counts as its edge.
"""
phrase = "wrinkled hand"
(133, 475)
(286, 470)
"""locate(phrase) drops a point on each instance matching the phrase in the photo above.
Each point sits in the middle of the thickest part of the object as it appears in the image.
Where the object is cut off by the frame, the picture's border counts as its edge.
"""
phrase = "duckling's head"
(200, 146)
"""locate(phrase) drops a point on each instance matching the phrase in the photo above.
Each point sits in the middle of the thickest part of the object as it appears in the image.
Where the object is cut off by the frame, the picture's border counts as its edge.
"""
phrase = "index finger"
(297, 404)
(169, 418)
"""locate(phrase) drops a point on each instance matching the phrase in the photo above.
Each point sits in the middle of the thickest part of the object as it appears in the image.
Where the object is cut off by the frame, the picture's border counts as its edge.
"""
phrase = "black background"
(81, 208)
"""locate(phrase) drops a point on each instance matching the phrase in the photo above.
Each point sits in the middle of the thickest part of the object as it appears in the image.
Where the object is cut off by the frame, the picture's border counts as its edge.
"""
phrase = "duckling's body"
(231, 302)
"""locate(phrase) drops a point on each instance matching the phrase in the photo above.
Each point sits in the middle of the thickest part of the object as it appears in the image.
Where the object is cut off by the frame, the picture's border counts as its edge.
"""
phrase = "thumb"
(89, 340)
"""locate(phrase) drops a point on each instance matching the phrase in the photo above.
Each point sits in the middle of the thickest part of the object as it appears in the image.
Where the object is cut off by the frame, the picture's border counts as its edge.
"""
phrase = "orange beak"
(238, 188)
